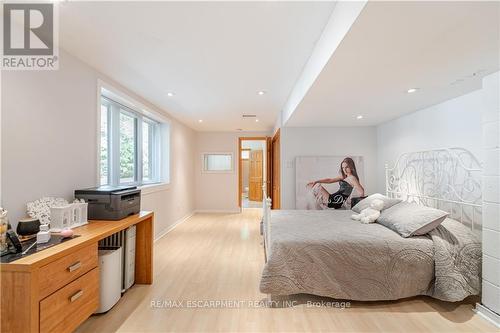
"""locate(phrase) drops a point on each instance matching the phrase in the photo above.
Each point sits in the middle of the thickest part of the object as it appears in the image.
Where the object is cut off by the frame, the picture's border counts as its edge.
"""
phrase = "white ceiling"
(215, 56)
(394, 46)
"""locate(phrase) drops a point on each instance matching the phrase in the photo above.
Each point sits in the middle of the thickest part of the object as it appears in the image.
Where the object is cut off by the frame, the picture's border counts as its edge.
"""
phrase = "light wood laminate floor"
(220, 257)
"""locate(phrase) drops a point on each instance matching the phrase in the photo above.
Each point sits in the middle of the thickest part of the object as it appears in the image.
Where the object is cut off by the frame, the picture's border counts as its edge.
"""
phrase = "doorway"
(275, 171)
(252, 171)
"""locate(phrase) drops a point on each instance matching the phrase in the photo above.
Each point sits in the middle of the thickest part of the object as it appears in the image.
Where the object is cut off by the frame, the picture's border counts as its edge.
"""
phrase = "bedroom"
(151, 94)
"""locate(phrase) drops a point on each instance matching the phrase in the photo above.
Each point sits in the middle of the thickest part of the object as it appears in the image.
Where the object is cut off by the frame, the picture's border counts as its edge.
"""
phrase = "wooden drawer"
(59, 273)
(67, 308)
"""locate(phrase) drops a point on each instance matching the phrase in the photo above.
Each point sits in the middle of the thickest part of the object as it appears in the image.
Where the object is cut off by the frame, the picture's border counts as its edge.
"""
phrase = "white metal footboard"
(266, 223)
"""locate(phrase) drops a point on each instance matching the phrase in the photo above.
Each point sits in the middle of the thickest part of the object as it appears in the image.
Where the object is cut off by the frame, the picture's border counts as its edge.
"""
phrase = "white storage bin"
(110, 271)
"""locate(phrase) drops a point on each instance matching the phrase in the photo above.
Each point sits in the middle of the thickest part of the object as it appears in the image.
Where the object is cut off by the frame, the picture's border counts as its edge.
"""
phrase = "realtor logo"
(29, 36)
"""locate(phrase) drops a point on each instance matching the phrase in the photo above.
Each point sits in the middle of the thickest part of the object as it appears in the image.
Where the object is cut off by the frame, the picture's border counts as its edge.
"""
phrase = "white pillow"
(410, 219)
(365, 203)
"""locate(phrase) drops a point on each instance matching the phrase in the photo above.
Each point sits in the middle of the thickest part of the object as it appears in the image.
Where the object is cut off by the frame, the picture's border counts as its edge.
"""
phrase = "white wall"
(49, 141)
(278, 124)
(454, 123)
(218, 192)
(325, 141)
(491, 193)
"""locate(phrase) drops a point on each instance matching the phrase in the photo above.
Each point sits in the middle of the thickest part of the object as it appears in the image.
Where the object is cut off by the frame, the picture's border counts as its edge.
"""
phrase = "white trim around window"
(225, 164)
(146, 122)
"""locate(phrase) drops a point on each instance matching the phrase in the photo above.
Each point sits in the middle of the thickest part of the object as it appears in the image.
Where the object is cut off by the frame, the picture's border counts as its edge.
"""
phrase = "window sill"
(152, 188)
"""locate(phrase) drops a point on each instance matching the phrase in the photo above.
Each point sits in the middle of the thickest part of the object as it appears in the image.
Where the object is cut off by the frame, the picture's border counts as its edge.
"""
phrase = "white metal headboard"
(448, 179)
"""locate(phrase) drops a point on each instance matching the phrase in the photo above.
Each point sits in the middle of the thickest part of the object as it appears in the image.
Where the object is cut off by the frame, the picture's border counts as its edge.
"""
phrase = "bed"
(325, 253)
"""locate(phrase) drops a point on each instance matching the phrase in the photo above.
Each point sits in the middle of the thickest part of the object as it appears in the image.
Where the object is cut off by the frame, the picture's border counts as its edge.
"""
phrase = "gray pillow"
(410, 219)
(365, 203)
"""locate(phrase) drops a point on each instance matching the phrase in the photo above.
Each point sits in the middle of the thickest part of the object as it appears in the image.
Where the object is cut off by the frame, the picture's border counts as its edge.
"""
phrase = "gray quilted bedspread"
(326, 253)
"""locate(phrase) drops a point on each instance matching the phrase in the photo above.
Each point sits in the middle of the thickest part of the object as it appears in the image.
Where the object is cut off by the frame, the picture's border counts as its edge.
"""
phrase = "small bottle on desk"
(43, 236)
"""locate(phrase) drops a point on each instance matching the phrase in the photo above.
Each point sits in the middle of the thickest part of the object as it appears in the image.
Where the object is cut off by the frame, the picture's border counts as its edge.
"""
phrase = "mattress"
(326, 253)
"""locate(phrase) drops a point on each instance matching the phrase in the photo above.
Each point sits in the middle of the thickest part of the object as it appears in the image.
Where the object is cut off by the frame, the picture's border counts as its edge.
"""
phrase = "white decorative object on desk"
(58, 212)
(79, 213)
(69, 216)
(81, 208)
(60, 217)
(43, 236)
(40, 209)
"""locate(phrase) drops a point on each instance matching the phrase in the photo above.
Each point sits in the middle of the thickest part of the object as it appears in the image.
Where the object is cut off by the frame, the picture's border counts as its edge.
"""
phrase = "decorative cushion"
(356, 200)
(410, 219)
(365, 203)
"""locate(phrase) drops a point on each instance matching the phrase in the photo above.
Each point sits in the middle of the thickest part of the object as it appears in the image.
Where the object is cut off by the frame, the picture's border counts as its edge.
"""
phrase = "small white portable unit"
(129, 255)
(110, 266)
(125, 239)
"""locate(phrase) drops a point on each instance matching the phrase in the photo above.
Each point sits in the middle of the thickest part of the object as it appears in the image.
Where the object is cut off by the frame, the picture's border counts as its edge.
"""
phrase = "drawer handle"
(75, 266)
(76, 296)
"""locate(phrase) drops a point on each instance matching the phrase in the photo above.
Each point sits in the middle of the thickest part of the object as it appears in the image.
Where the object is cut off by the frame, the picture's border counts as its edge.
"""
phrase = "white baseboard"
(172, 227)
(487, 314)
(219, 211)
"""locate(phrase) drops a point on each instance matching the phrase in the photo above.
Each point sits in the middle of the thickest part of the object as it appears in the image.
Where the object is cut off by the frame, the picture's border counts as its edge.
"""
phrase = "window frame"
(204, 170)
(159, 143)
(245, 150)
(99, 146)
(154, 151)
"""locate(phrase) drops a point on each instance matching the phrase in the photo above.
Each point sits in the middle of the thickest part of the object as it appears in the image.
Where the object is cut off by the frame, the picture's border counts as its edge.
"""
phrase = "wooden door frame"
(240, 180)
(276, 202)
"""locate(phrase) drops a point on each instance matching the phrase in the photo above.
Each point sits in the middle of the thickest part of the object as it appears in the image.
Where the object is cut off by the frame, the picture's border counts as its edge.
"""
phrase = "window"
(148, 129)
(217, 162)
(245, 154)
(104, 153)
(129, 145)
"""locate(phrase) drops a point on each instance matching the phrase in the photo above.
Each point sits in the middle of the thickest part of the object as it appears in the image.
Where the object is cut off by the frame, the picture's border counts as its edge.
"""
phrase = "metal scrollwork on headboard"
(448, 179)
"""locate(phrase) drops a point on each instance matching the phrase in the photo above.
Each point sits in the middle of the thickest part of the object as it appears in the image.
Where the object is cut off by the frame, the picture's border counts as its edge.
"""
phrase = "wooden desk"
(58, 288)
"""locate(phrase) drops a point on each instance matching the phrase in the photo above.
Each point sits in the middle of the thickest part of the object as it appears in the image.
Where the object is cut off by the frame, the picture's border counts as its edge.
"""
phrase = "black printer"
(111, 202)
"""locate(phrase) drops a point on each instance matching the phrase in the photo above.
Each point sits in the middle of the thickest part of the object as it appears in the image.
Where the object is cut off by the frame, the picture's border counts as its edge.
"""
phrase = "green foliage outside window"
(127, 147)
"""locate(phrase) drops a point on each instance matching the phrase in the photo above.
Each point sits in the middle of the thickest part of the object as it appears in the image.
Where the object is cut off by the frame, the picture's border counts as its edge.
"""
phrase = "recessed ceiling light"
(411, 90)
(262, 92)
(200, 120)
(170, 94)
(359, 117)
(256, 120)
